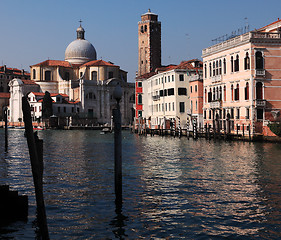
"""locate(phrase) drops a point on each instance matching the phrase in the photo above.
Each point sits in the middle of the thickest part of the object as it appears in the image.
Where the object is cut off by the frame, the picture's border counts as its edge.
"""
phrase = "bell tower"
(149, 34)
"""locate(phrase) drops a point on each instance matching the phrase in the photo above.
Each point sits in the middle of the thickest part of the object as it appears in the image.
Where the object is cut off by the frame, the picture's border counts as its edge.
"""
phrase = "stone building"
(242, 81)
(85, 80)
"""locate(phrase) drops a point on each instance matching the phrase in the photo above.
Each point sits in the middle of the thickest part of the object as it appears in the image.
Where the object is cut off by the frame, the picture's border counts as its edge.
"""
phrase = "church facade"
(86, 81)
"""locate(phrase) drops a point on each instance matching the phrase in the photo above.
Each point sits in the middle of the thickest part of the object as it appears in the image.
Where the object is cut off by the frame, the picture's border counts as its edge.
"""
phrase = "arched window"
(236, 64)
(259, 94)
(47, 75)
(139, 99)
(231, 62)
(94, 75)
(214, 68)
(232, 94)
(220, 67)
(145, 28)
(210, 95)
(214, 93)
(205, 69)
(259, 60)
(210, 69)
(217, 67)
(217, 93)
(220, 93)
(237, 92)
(205, 95)
(141, 29)
(224, 92)
(34, 73)
(247, 61)
(247, 91)
(224, 66)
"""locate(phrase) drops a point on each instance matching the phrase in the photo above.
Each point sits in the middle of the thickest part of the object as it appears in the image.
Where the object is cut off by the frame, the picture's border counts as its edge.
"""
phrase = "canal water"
(172, 188)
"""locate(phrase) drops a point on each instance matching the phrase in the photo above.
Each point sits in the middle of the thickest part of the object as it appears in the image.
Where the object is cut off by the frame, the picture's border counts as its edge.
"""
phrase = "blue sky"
(33, 31)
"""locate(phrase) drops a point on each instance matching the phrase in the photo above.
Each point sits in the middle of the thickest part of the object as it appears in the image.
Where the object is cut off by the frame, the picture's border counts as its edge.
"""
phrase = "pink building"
(242, 81)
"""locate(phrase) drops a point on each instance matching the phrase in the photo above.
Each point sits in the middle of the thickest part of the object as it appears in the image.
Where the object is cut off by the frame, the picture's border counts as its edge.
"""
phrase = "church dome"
(80, 50)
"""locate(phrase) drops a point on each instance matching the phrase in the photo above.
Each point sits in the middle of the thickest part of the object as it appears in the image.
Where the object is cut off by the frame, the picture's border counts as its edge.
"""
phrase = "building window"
(224, 66)
(247, 91)
(259, 94)
(260, 114)
(110, 74)
(48, 75)
(173, 105)
(220, 67)
(210, 69)
(210, 114)
(34, 74)
(181, 107)
(224, 92)
(237, 93)
(223, 112)
(236, 64)
(171, 92)
(231, 63)
(181, 77)
(94, 75)
(172, 78)
(210, 96)
(232, 113)
(217, 68)
(195, 88)
(191, 89)
(196, 105)
(181, 91)
(259, 60)
(205, 71)
(214, 68)
(81, 74)
(140, 113)
(232, 93)
(247, 113)
(247, 61)
(205, 114)
(139, 84)
(168, 78)
(139, 99)
(237, 113)
(58, 109)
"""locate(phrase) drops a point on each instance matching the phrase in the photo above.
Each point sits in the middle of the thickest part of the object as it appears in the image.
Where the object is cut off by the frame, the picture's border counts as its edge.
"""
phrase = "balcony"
(260, 103)
(215, 104)
(155, 97)
(216, 78)
(260, 73)
(196, 77)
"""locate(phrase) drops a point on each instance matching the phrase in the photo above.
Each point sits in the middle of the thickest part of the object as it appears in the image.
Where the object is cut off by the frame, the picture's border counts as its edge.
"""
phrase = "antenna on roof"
(247, 26)
(80, 22)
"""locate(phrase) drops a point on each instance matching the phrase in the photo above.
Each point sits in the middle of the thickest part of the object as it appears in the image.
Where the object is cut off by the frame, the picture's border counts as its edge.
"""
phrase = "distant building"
(149, 54)
(242, 81)
(173, 95)
(149, 38)
(85, 80)
(6, 75)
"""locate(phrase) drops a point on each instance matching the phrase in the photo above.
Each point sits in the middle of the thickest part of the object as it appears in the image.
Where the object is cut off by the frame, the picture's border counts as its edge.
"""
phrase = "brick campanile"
(149, 32)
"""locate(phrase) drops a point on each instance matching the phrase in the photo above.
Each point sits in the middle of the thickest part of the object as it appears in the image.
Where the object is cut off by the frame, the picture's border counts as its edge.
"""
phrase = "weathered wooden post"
(249, 132)
(237, 130)
(243, 132)
(36, 159)
(6, 128)
(117, 94)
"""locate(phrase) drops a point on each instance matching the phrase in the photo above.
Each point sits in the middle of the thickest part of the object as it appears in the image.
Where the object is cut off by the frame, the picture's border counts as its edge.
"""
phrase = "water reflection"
(172, 188)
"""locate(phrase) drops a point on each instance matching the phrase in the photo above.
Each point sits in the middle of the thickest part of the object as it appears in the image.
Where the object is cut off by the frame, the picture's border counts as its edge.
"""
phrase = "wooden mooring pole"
(35, 147)
(117, 94)
(6, 128)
